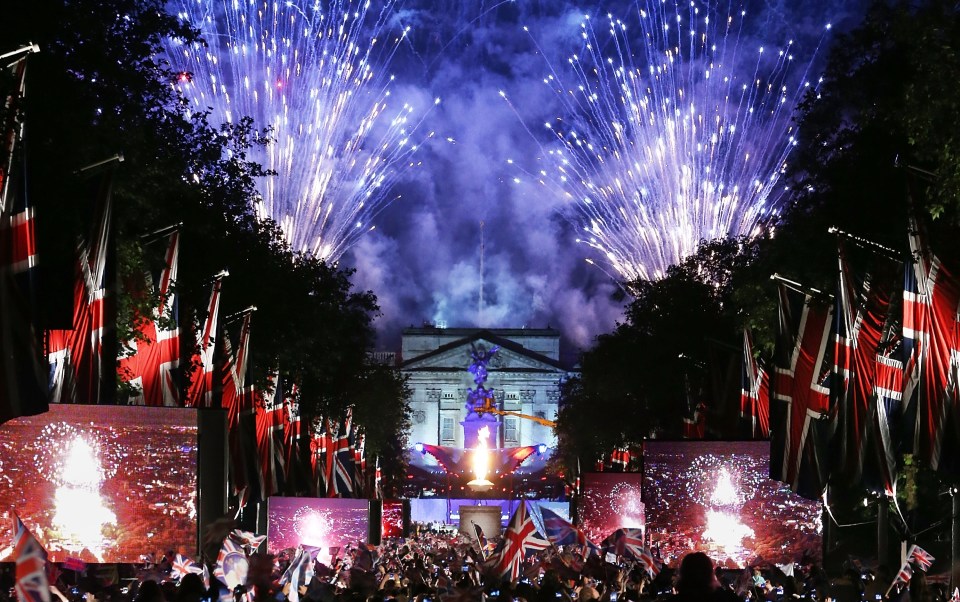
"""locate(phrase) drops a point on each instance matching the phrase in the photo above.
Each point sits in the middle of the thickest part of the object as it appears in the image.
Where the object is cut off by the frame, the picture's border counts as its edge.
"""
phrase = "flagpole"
(483, 552)
(28, 49)
(799, 287)
(867, 244)
(239, 314)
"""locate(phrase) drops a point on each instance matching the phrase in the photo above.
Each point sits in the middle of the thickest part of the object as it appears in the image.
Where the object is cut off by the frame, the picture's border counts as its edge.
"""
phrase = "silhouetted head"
(696, 573)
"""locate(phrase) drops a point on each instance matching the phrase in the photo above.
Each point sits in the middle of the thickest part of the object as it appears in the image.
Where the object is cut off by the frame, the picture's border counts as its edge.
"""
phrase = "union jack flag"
(22, 388)
(625, 542)
(906, 572)
(249, 540)
(931, 343)
(509, 557)
(860, 368)
(920, 557)
(183, 566)
(560, 532)
(342, 476)
(31, 559)
(271, 424)
(800, 424)
(231, 568)
(754, 392)
(200, 392)
(156, 352)
(76, 355)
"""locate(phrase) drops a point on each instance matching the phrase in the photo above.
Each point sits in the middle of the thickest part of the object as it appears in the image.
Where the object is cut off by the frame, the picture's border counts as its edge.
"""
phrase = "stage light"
(418, 446)
(542, 448)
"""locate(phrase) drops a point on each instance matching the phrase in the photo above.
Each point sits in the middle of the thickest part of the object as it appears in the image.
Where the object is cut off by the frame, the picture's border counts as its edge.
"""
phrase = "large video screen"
(716, 497)
(101, 483)
(319, 522)
(391, 519)
(443, 511)
(610, 501)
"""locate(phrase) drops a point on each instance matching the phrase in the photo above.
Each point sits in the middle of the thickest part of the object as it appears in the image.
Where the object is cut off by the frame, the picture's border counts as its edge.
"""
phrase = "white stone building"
(525, 375)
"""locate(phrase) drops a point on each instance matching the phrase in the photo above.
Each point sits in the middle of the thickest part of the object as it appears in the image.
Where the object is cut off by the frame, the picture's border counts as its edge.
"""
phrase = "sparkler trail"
(682, 144)
(312, 71)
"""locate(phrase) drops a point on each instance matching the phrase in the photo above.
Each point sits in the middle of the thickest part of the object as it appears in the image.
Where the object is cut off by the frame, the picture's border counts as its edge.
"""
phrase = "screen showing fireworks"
(391, 520)
(610, 501)
(101, 483)
(318, 522)
(716, 497)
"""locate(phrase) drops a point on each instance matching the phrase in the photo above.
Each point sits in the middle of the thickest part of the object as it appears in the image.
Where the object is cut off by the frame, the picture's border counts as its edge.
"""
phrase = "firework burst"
(676, 130)
(62, 451)
(311, 71)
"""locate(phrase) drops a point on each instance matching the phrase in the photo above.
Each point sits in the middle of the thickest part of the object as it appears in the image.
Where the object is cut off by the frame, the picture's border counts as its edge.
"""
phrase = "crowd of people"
(435, 566)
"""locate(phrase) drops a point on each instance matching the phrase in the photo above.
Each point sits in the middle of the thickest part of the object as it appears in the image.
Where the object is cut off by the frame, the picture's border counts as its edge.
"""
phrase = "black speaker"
(212, 458)
(375, 526)
(406, 518)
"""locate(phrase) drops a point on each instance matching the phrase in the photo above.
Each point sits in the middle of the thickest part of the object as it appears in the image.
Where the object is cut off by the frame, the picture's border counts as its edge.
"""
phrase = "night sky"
(422, 260)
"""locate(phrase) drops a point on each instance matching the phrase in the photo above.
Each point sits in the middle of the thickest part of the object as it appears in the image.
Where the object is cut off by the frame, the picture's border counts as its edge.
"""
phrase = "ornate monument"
(478, 398)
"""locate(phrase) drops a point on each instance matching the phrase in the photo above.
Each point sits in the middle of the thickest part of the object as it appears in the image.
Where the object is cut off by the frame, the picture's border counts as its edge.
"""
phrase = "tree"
(100, 86)
(680, 334)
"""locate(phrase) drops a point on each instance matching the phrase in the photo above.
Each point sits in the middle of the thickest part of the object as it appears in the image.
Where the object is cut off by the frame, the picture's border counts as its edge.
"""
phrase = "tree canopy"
(101, 87)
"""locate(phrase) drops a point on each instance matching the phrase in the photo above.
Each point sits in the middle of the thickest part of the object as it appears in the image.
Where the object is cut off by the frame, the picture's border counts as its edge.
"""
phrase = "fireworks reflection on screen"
(609, 502)
(102, 484)
(319, 522)
(716, 497)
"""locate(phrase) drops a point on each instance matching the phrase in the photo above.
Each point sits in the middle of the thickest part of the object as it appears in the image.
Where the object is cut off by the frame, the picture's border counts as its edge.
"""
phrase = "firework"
(313, 72)
(676, 130)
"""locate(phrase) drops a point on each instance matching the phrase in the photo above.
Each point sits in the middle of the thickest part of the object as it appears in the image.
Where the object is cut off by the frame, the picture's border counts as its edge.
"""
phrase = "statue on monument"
(481, 396)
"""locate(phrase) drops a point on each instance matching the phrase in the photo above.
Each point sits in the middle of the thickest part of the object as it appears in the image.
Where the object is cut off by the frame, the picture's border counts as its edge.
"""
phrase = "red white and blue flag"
(232, 566)
(931, 341)
(31, 565)
(800, 421)
(520, 533)
(864, 405)
(155, 353)
(200, 392)
(754, 392)
(75, 355)
(183, 566)
(561, 532)
(22, 388)
(920, 557)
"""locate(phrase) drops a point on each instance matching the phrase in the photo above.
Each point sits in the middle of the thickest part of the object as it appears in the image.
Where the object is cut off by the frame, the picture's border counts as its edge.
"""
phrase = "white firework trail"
(675, 131)
(314, 73)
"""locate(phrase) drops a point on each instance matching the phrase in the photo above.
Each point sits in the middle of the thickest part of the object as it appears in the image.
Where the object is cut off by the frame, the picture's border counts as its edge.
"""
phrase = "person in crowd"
(697, 581)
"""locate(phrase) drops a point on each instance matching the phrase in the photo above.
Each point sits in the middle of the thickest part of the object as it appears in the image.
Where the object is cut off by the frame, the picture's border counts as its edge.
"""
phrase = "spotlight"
(418, 446)
(542, 448)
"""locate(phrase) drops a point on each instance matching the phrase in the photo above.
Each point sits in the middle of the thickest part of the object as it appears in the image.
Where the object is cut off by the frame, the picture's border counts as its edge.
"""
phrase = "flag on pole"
(231, 567)
(864, 451)
(154, 355)
(920, 557)
(75, 355)
(271, 424)
(240, 414)
(31, 565)
(183, 566)
(931, 340)
(520, 532)
(200, 392)
(754, 392)
(343, 457)
(800, 422)
(22, 388)
(561, 532)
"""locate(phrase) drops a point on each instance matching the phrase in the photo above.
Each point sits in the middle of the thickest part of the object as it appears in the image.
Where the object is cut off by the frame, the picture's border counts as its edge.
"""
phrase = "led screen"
(447, 511)
(610, 501)
(716, 497)
(101, 483)
(391, 520)
(319, 522)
